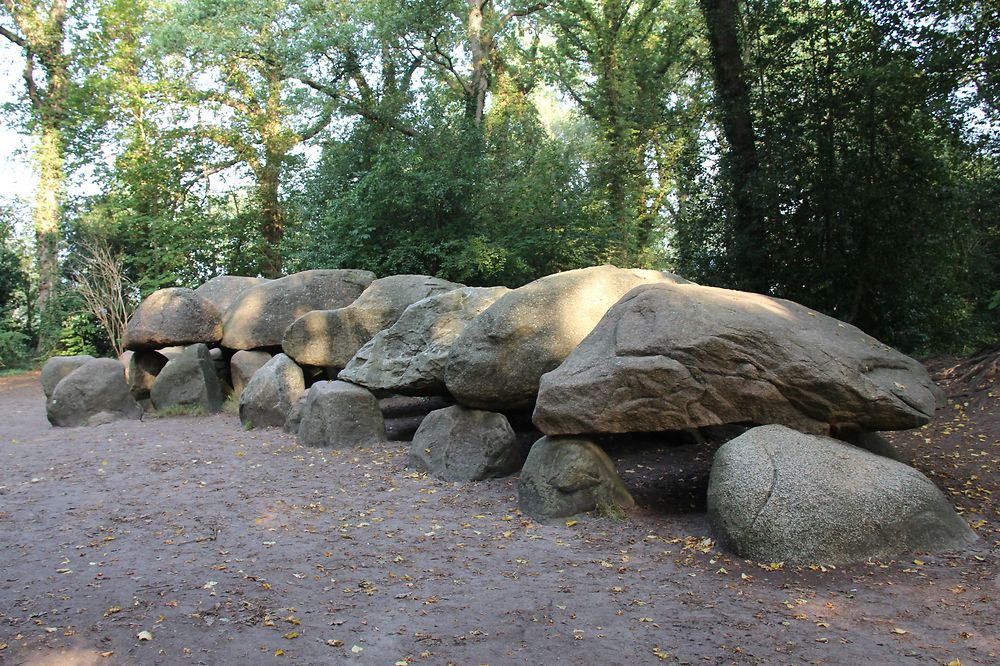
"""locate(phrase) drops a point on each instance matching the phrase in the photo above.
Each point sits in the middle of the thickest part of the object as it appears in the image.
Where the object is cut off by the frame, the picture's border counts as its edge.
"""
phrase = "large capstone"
(174, 316)
(330, 338)
(94, 393)
(224, 290)
(497, 360)
(676, 356)
(563, 476)
(461, 444)
(409, 357)
(259, 316)
(189, 380)
(58, 367)
(339, 415)
(779, 495)
(268, 397)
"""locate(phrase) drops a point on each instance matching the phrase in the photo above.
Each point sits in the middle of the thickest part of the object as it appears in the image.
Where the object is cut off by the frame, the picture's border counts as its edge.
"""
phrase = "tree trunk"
(46, 216)
(480, 43)
(269, 178)
(749, 251)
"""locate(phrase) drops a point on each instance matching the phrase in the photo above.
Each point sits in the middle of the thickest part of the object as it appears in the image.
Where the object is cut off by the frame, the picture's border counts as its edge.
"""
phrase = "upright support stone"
(339, 415)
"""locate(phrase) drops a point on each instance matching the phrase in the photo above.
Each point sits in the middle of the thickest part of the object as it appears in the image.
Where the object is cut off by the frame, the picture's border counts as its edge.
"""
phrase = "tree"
(39, 29)
(240, 61)
(623, 62)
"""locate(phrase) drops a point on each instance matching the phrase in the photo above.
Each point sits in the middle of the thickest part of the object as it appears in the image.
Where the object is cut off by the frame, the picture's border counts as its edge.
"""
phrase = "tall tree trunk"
(480, 43)
(269, 178)
(46, 216)
(41, 36)
(749, 251)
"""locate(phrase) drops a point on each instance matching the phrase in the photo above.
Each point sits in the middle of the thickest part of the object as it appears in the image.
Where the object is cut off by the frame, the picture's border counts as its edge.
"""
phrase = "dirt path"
(234, 547)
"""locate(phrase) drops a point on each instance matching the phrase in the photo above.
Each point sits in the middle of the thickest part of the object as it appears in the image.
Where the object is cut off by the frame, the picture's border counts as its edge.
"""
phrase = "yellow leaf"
(897, 630)
(291, 634)
(919, 563)
(570, 523)
(112, 611)
(107, 654)
(660, 653)
(144, 636)
(279, 652)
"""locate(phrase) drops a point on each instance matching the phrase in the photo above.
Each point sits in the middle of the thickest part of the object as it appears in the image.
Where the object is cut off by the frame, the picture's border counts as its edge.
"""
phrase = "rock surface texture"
(339, 415)
(94, 393)
(563, 476)
(259, 316)
(461, 444)
(190, 380)
(330, 338)
(174, 316)
(778, 495)
(675, 356)
(410, 356)
(243, 365)
(223, 290)
(497, 360)
(268, 397)
(143, 368)
(58, 367)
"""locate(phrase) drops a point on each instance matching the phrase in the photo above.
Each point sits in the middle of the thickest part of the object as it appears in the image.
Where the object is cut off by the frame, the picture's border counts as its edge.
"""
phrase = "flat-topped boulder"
(223, 290)
(173, 316)
(94, 393)
(409, 357)
(330, 338)
(779, 495)
(339, 415)
(497, 360)
(259, 316)
(678, 356)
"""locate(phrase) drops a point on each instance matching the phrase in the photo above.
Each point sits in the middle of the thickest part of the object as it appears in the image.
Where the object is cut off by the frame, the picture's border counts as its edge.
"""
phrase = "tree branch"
(525, 11)
(14, 37)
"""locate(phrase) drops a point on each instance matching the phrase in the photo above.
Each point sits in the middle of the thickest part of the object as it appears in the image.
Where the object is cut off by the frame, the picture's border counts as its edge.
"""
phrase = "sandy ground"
(236, 547)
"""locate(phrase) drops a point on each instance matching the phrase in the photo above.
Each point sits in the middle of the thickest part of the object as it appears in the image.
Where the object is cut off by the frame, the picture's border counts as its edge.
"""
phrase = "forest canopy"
(840, 153)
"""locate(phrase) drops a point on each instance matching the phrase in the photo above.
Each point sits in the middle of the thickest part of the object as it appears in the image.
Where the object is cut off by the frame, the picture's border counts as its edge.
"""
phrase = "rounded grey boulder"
(330, 338)
(270, 393)
(58, 367)
(96, 392)
(497, 360)
(779, 495)
(339, 415)
(190, 380)
(563, 476)
(409, 357)
(259, 316)
(460, 444)
(174, 316)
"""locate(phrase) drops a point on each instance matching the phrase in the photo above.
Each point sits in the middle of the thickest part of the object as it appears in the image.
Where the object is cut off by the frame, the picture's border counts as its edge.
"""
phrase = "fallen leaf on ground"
(144, 636)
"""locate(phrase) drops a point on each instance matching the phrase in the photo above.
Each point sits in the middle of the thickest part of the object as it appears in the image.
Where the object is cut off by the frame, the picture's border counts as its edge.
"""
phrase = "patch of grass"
(231, 405)
(610, 510)
(180, 410)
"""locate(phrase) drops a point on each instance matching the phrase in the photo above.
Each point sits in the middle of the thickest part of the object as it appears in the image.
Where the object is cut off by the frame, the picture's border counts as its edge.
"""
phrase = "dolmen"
(541, 381)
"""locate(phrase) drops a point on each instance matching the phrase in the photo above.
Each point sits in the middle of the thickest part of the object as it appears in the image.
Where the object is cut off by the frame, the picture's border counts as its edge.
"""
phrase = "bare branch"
(17, 39)
(525, 11)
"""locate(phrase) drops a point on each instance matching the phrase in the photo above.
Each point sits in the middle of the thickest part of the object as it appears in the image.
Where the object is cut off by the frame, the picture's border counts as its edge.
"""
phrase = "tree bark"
(480, 44)
(269, 177)
(741, 163)
(41, 38)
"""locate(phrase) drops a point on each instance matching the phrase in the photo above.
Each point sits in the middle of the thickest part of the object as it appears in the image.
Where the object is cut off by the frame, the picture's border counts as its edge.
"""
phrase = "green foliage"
(866, 209)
